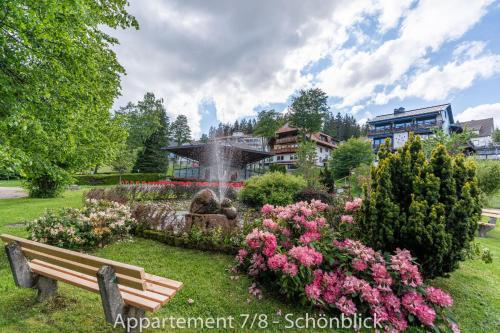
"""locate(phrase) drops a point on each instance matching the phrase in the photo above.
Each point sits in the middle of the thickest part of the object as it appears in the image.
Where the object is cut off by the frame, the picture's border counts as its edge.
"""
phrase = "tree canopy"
(308, 110)
(181, 132)
(350, 155)
(342, 127)
(58, 79)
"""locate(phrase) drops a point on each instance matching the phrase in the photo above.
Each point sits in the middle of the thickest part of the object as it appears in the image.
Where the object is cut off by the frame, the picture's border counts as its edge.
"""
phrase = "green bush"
(430, 207)
(274, 188)
(114, 178)
(277, 168)
(488, 176)
(314, 193)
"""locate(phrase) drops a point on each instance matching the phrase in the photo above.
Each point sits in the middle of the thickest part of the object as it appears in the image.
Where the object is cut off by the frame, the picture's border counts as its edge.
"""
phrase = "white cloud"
(480, 112)
(355, 75)
(242, 55)
(437, 82)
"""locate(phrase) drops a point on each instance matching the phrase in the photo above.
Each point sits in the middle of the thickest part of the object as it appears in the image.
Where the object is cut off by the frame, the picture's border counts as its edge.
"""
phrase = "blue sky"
(222, 60)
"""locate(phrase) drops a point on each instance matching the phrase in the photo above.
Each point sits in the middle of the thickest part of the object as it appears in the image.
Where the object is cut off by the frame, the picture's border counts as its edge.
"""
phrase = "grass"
(11, 183)
(475, 286)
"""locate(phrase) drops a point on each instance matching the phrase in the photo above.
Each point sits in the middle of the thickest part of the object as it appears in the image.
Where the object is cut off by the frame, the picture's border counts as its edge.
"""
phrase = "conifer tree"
(430, 207)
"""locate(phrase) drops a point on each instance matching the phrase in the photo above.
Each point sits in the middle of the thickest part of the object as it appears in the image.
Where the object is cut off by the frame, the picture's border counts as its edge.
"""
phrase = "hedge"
(172, 239)
(114, 178)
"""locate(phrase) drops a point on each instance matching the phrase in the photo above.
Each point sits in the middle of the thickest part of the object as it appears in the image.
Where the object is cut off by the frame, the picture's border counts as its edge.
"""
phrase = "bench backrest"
(127, 275)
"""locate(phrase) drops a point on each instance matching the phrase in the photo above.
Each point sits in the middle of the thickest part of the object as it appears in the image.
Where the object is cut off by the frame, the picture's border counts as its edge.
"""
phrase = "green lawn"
(11, 183)
(475, 286)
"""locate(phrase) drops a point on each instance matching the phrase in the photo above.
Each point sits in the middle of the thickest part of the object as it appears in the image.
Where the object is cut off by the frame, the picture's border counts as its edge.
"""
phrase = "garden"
(297, 249)
(342, 235)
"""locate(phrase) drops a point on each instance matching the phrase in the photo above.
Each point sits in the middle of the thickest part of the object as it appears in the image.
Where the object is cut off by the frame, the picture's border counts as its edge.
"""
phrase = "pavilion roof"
(208, 153)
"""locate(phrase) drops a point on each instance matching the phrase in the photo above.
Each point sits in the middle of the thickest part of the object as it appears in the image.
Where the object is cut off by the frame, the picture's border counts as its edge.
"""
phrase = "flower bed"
(98, 223)
(236, 185)
(298, 252)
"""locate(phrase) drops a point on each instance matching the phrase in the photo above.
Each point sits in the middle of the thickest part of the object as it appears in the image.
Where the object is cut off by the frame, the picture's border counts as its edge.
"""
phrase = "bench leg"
(23, 276)
(111, 298)
(47, 288)
(134, 316)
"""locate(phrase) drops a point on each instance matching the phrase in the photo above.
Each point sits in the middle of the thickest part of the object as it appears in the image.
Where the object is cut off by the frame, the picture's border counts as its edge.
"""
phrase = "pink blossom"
(439, 297)
(401, 262)
(426, 314)
(454, 328)
(270, 224)
(270, 244)
(352, 284)
(345, 305)
(267, 208)
(277, 261)
(359, 265)
(242, 253)
(310, 236)
(306, 256)
(381, 276)
(290, 269)
(313, 291)
(352, 205)
(347, 219)
(370, 295)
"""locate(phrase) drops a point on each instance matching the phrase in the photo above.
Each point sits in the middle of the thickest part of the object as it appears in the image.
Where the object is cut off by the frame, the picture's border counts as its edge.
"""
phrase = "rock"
(206, 222)
(205, 202)
(230, 212)
(484, 228)
(226, 203)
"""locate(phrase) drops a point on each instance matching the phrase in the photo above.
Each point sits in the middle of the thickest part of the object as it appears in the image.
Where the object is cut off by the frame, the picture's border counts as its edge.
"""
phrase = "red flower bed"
(235, 185)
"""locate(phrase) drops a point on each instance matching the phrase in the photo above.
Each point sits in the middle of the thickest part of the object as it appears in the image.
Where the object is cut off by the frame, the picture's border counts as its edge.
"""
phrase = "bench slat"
(129, 299)
(164, 282)
(120, 268)
(148, 294)
(82, 268)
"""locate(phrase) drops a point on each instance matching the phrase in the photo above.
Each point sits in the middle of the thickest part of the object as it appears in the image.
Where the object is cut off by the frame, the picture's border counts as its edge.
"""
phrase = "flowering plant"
(96, 224)
(297, 250)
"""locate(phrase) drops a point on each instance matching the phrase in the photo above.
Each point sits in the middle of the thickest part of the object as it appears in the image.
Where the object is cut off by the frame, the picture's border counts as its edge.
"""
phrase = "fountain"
(207, 212)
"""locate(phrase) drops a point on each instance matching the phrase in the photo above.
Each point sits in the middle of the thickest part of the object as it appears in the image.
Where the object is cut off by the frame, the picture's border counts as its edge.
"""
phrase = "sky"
(223, 60)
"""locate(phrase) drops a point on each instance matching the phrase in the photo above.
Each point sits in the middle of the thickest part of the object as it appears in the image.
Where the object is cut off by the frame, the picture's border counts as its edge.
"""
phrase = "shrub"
(277, 168)
(47, 183)
(430, 207)
(314, 193)
(273, 187)
(488, 175)
(114, 179)
(350, 155)
(98, 223)
(295, 251)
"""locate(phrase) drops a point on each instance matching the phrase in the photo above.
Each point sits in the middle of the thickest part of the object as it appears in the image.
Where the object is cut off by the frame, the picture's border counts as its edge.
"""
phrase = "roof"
(314, 137)
(484, 127)
(209, 153)
(411, 113)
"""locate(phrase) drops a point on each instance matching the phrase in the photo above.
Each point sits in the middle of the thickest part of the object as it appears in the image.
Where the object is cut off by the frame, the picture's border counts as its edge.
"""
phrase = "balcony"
(408, 128)
(288, 139)
(284, 150)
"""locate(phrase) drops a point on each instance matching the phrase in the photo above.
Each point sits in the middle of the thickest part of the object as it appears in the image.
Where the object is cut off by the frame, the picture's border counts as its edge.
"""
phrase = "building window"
(280, 158)
(320, 150)
(402, 125)
(426, 122)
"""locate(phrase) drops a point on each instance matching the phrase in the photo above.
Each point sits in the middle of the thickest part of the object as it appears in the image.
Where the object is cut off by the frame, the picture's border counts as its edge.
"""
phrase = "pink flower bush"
(347, 219)
(342, 276)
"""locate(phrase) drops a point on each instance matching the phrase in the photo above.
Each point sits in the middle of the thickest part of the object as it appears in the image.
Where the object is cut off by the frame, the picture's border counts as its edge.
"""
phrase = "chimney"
(399, 110)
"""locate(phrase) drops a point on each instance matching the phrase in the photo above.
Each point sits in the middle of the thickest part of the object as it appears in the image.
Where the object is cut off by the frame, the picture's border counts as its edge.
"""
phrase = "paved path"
(12, 192)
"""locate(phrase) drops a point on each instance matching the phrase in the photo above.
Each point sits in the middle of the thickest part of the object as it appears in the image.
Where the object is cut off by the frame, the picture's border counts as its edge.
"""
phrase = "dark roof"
(411, 113)
(208, 153)
(314, 137)
(484, 127)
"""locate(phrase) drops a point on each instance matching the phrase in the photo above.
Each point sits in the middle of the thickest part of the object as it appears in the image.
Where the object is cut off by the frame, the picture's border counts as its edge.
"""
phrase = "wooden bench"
(484, 228)
(126, 290)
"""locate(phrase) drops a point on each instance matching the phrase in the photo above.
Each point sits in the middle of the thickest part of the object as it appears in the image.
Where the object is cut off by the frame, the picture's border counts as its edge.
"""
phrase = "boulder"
(230, 212)
(205, 202)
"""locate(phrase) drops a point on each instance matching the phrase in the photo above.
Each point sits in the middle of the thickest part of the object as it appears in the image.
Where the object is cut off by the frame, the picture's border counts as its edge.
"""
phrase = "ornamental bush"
(273, 187)
(488, 175)
(98, 223)
(431, 207)
(295, 251)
